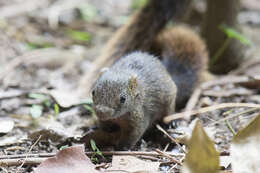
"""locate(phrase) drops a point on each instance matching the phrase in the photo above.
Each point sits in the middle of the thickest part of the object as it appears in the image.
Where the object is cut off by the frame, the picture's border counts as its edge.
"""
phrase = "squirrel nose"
(104, 112)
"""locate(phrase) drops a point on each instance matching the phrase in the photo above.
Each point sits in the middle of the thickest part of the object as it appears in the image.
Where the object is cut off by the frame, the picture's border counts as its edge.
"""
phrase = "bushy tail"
(185, 56)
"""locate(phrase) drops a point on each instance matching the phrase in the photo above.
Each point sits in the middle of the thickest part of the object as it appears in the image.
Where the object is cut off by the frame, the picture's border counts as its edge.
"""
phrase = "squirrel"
(156, 71)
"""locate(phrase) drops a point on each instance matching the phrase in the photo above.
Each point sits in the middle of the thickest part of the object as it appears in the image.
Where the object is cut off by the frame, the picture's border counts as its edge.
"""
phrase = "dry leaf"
(53, 134)
(245, 148)
(6, 126)
(72, 159)
(122, 164)
(65, 98)
(202, 156)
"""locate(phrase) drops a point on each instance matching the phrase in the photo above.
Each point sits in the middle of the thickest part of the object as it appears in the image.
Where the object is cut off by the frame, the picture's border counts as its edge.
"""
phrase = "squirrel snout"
(104, 112)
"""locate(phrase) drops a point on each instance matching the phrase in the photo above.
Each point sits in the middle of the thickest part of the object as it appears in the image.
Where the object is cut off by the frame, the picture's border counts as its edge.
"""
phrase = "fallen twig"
(17, 162)
(168, 156)
(35, 159)
(193, 100)
(228, 80)
(169, 136)
(249, 63)
(106, 153)
(30, 149)
(170, 118)
(234, 115)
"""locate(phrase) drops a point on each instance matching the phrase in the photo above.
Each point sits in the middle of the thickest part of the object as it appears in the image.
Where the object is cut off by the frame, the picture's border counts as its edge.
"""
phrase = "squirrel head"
(115, 94)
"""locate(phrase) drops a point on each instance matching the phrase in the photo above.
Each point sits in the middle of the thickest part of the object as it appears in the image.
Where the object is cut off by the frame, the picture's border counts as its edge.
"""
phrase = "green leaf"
(56, 108)
(93, 145)
(32, 45)
(38, 96)
(79, 35)
(89, 108)
(88, 101)
(95, 148)
(47, 103)
(44, 98)
(36, 111)
(231, 33)
(63, 147)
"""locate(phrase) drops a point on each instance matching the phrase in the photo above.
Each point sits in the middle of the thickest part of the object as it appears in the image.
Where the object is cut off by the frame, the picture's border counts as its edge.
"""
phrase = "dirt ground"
(46, 47)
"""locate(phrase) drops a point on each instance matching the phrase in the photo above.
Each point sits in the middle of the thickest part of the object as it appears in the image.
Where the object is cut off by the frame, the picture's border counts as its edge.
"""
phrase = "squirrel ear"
(132, 84)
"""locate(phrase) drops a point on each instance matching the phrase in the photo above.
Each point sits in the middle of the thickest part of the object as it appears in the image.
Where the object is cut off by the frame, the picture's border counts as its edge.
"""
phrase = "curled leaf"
(72, 159)
(202, 156)
(245, 148)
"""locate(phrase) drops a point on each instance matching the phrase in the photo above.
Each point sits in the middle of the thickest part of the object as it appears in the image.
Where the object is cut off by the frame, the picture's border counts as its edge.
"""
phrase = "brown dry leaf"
(245, 148)
(202, 156)
(72, 159)
(122, 164)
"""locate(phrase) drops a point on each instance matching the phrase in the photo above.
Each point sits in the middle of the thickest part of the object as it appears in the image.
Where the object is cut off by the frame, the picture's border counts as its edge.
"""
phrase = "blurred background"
(46, 46)
(74, 33)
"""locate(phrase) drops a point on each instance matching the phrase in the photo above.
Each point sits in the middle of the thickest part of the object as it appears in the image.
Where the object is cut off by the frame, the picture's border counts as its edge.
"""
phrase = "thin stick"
(35, 159)
(234, 115)
(193, 101)
(106, 153)
(169, 136)
(17, 162)
(29, 152)
(168, 156)
(170, 118)
(230, 127)
(227, 80)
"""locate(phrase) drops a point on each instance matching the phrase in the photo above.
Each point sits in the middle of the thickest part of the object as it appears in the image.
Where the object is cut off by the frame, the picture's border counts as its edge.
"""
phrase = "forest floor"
(47, 46)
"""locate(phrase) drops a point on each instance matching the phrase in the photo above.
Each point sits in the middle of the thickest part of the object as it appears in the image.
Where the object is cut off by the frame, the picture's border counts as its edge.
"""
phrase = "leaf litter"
(38, 93)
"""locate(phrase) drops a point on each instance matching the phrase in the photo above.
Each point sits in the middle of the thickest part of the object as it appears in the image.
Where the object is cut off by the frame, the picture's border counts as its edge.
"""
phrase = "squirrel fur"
(140, 87)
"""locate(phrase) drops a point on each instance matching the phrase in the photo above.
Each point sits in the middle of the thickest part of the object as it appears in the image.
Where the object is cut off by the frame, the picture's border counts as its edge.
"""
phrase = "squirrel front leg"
(102, 138)
(133, 129)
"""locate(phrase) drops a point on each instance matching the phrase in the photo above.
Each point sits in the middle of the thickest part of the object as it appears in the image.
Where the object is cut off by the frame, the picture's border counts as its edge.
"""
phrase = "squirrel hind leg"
(185, 57)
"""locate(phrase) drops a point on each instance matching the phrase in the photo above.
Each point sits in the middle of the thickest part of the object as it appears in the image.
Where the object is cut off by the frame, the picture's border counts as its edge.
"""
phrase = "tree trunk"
(222, 12)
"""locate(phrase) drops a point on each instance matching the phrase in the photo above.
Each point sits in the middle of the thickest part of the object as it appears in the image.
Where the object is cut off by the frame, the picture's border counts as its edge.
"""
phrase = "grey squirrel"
(139, 88)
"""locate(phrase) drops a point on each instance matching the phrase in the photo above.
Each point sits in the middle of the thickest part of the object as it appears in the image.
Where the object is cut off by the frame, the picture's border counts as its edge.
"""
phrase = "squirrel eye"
(122, 99)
